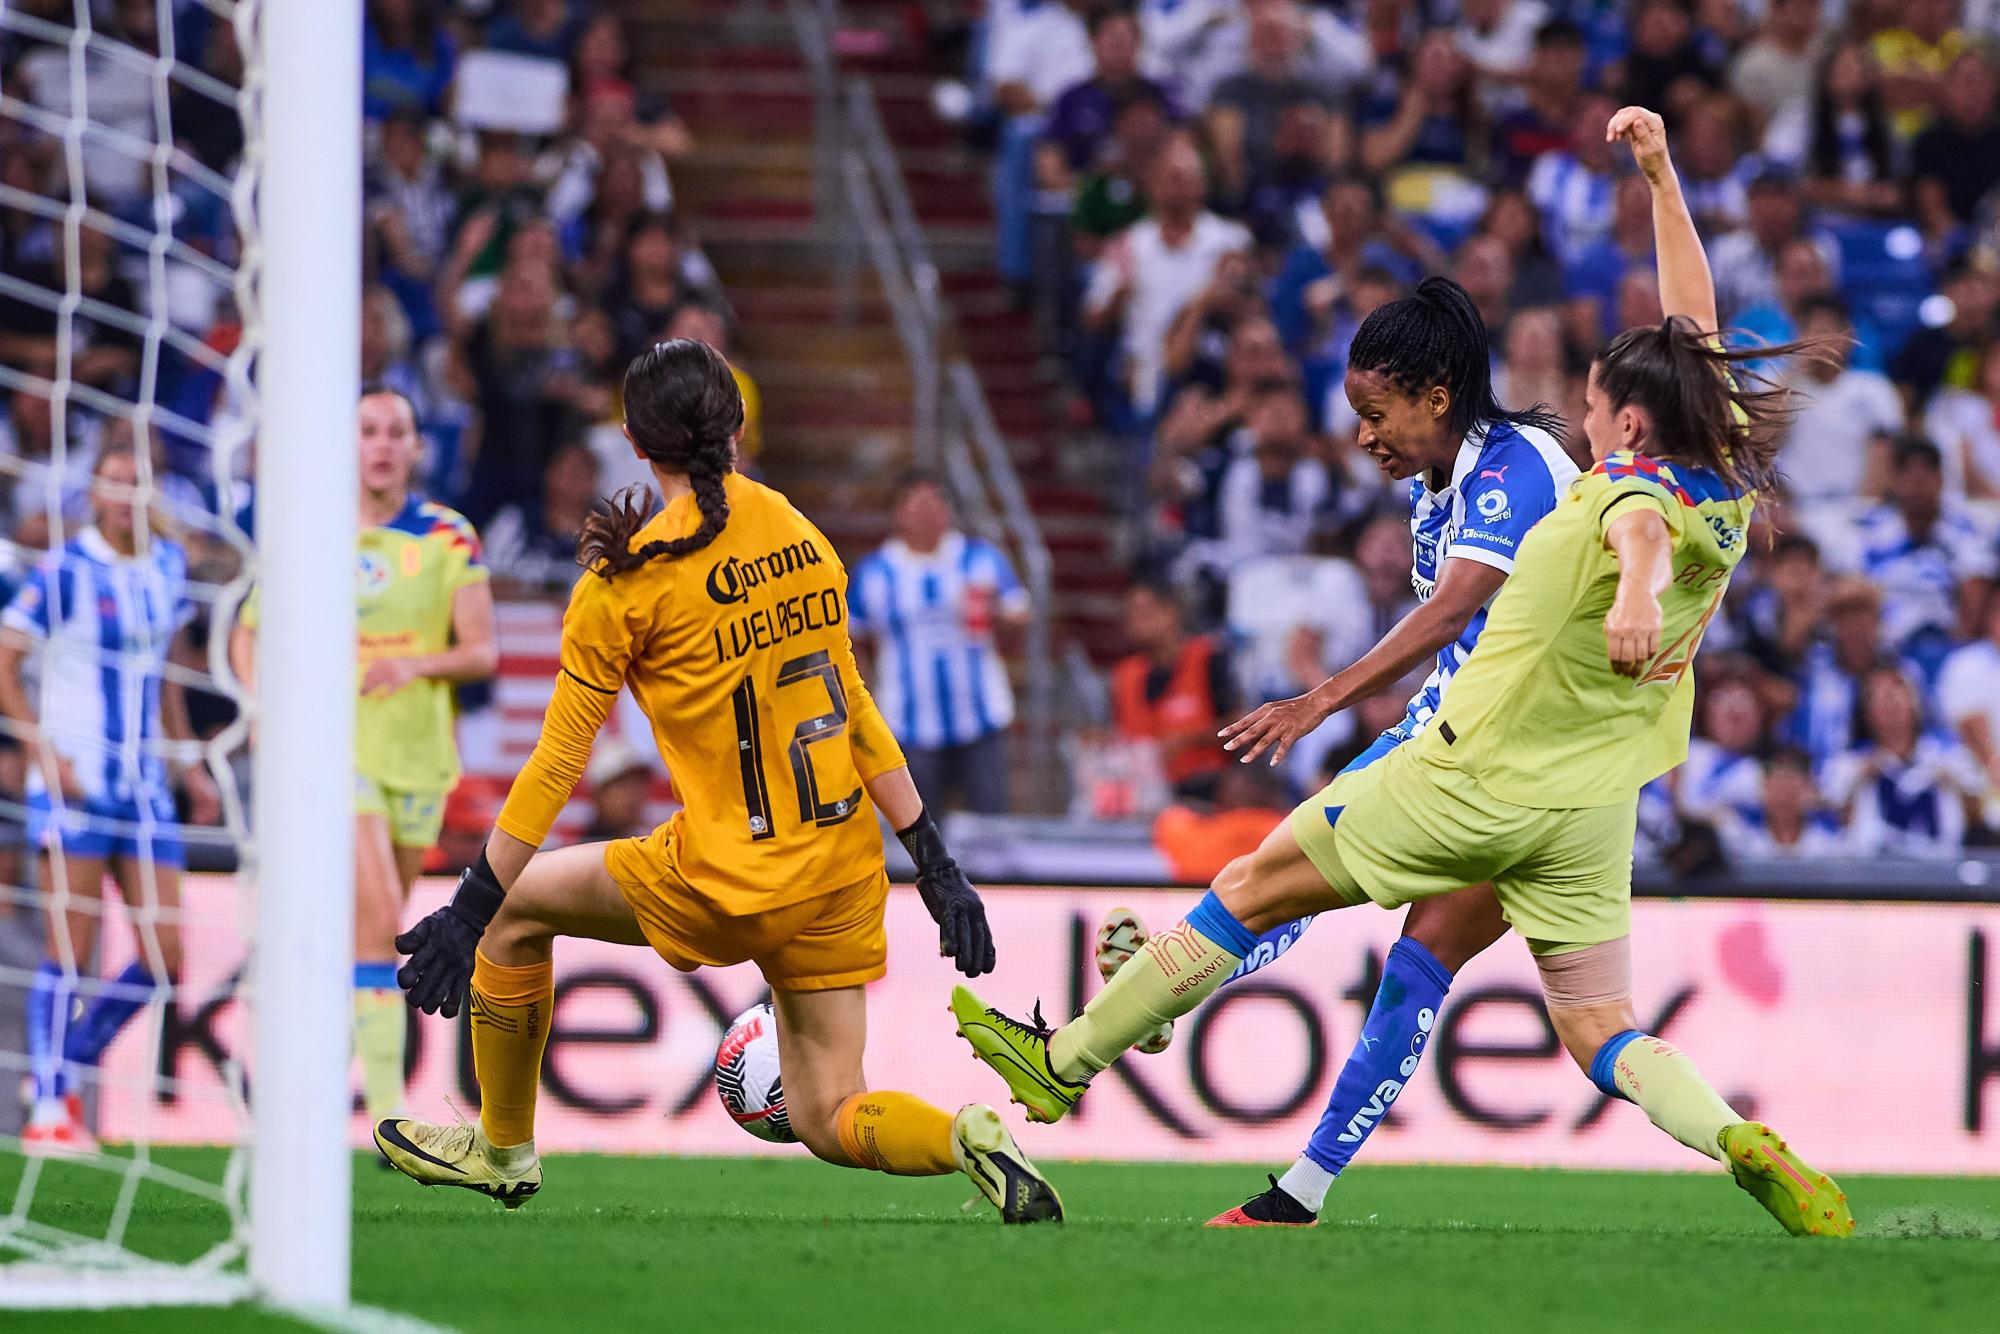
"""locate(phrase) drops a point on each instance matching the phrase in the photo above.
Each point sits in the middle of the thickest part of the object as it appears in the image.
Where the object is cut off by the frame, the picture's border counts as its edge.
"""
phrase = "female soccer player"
(1419, 377)
(1579, 693)
(100, 615)
(425, 624)
(725, 613)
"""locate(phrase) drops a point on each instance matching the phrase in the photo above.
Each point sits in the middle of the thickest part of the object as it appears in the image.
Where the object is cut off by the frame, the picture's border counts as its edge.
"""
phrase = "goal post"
(307, 114)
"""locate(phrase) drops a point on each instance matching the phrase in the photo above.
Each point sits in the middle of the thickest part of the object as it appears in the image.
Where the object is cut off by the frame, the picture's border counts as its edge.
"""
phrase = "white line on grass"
(359, 1320)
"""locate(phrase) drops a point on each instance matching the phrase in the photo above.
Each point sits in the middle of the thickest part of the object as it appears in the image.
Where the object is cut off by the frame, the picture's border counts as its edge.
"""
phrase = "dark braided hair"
(683, 409)
(1434, 336)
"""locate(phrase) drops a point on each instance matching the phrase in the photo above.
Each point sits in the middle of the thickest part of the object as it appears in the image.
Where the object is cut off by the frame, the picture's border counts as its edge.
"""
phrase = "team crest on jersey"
(373, 575)
(411, 557)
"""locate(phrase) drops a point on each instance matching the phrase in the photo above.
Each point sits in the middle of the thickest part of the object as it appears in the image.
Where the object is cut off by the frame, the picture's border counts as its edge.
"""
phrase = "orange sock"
(510, 1026)
(898, 1133)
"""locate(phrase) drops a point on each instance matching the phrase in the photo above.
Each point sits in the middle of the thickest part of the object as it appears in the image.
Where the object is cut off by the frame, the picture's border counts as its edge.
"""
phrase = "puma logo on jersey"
(731, 580)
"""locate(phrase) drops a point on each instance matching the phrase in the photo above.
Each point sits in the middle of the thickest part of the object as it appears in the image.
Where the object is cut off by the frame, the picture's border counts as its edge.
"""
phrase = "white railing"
(862, 207)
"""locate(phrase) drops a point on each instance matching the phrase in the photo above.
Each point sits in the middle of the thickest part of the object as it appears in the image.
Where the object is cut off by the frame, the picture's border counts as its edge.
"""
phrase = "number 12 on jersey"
(798, 673)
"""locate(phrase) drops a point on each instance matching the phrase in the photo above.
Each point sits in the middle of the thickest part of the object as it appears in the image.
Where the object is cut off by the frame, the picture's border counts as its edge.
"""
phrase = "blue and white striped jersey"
(938, 676)
(1502, 483)
(107, 622)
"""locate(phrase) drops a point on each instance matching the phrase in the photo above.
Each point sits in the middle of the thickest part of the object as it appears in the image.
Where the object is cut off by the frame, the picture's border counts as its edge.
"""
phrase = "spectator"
(649, 288)
(1850, 161)
(1775, 622)
(1711, 164)
(410, 207)
(1155, 267)
(531, 547)
(1269, 500)
(1113, 196)
(1033, 56)
(1720, 779)
(1498, 39)
(1485, 269)
(1904, 788)
(1351, 231)
(1790, 821)
(1534, 365)
(1913, 59)
(1271, 106)
(620, 782)
(1573, 187)
(1745, 261)
(1932, 560)
(1325, 364)
(1969, 699)
(1198, 840)
(1834, 451)
(545, 28)
(1965, 426)
(407, 59)
(1541, 123)
(1435, 141)
(603, 65)
(1957, 160)
(1203, 42)
(932, 601)
(1205, 331)
(500, 200)
(1175, 689)
(1591, 279)
(705, 324)
(1949, 354)
(1829, 679)
(1800, 276)
(1774, 76)
(608, 133)
(1666, 69)
(1081, 120)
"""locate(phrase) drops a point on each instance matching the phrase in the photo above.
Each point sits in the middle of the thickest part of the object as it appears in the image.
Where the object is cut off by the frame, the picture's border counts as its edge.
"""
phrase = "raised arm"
(1686, 286)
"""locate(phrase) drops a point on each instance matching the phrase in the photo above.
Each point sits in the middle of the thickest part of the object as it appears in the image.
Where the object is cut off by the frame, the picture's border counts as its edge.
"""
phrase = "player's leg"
(72, 886)
(147, 872)
(1175, 971)
(1440, 936)
(566, 892)
(381, 1019)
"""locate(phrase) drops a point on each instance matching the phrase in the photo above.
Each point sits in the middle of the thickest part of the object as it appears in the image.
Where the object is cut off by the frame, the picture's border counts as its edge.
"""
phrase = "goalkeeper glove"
(441, 946)
(954, 905)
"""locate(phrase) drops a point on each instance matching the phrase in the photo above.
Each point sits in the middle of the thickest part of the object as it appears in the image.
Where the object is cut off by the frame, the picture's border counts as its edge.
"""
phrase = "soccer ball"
(746, 1076)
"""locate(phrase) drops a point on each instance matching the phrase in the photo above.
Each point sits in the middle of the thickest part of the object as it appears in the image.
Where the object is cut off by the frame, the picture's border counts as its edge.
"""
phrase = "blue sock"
(1392, 1042)
(1220, 926)
(122, 997)
(1606, 1061)
(49, 1003)
(379, 975)
(1268, 947)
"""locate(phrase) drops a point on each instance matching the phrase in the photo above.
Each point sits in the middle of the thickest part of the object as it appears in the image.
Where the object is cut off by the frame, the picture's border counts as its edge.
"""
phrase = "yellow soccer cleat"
(1019, 1053)
(1120, 936)
(987, 1153)
(435, 1155)
(1805, 1200)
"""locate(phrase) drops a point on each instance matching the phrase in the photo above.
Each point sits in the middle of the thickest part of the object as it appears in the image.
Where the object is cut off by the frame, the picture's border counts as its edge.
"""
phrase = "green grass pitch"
(764, 1244)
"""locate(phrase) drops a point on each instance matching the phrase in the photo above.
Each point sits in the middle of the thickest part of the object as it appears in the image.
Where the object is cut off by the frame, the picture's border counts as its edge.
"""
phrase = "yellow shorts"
(838, 939)
(1407, 828)
(415, 818)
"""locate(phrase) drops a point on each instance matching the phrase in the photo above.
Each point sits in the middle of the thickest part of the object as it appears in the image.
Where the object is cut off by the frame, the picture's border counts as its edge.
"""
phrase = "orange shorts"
(835, 940)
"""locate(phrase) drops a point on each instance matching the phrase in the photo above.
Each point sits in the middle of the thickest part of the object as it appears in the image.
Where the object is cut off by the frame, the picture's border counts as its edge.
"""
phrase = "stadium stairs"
(837, 396)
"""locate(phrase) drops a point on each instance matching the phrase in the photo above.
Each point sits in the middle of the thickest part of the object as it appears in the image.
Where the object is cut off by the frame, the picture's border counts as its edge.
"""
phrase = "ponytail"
(684, 410)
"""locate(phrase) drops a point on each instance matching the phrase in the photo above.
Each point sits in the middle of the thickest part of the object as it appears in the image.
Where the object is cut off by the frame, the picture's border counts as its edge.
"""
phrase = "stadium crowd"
(1203, 198)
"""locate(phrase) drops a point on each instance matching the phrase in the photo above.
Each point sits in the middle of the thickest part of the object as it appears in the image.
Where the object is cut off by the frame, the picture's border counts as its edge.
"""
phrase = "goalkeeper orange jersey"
(738, 655)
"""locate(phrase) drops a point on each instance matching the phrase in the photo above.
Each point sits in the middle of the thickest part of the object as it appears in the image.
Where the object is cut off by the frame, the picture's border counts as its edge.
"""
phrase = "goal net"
(179, 275)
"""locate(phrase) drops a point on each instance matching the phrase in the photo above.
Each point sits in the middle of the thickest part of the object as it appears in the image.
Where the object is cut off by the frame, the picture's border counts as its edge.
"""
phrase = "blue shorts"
(108, 827)
(1377, 748)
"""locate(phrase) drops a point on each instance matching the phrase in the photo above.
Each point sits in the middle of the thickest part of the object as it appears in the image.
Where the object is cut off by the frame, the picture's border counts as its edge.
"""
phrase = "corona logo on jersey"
(731, 580)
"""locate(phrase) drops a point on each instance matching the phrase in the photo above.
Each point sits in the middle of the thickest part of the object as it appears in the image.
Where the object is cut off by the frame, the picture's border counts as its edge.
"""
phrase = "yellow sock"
(1660, 1078)
(1170, 975)
(897, 1133)
(381, 1025)
(510, 1026)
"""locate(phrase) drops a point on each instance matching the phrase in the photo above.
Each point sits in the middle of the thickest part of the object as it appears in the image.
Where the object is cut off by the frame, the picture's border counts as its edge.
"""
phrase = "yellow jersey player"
(1578, 693)
(424, 624)
(725, 613)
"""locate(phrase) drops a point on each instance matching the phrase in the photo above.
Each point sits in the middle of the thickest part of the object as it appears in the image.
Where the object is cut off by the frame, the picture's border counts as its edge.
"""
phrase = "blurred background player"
(1580, 692)
(99, 616)
(723, 610)
(425, 624)
(1479, 478)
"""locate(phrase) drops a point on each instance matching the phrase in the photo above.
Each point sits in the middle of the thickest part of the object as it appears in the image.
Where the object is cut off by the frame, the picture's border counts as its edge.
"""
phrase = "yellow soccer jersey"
(738, 655)
(408, 570)
(1536, 716)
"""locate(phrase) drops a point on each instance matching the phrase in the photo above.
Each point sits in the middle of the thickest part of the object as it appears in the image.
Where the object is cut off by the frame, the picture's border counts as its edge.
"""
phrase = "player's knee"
(1456, 927)
(514, 937)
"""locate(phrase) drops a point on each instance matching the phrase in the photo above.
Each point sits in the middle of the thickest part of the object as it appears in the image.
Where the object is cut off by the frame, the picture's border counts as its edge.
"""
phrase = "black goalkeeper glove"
(953, 903)
(441, 946)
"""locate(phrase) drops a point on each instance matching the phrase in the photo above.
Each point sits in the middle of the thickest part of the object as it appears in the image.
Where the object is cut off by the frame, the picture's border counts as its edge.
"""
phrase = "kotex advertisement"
(1869, 1033)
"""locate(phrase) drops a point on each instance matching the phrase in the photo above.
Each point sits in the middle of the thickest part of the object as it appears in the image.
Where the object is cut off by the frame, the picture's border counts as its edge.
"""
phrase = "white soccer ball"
(746, 1076)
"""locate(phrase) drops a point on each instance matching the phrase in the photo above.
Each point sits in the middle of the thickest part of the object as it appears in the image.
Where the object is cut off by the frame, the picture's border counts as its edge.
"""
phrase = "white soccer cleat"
(55, 1129)
(1120, 936)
